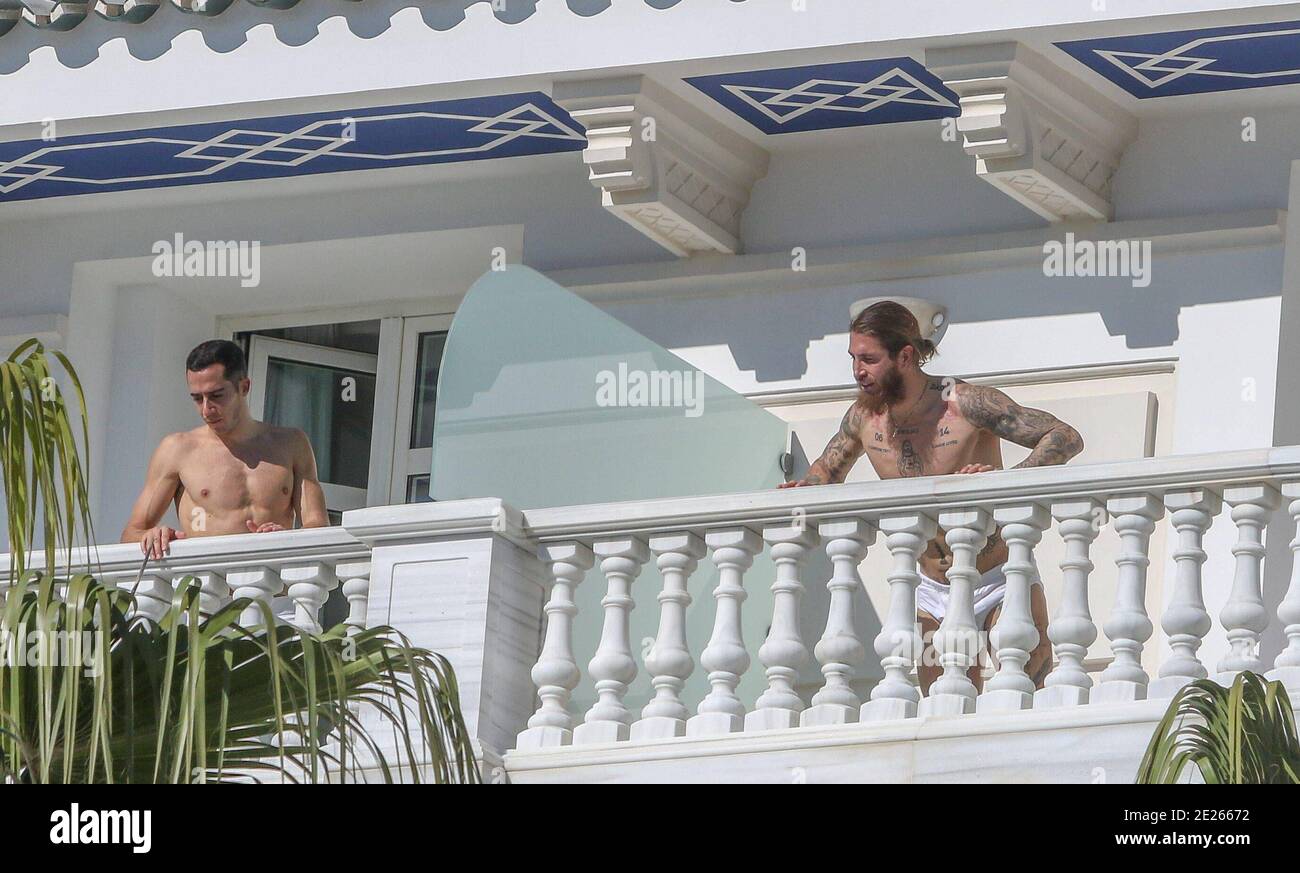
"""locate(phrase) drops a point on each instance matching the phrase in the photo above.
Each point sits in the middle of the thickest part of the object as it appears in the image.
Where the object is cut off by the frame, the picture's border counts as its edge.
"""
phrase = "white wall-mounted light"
(932, 318)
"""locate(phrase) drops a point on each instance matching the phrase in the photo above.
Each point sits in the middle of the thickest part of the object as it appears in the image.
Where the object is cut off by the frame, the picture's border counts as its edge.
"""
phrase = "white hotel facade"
(1085, 201)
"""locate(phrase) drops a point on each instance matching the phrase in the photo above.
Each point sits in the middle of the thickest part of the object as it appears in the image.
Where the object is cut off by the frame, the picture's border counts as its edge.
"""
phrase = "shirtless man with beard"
(910, 423)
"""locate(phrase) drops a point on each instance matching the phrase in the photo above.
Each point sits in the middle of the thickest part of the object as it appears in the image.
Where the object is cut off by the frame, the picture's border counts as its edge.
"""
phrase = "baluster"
(613, 667)
(214, 591)
(898, 644)
(1185, 621)
(1128, 627)
(1015, 637)
(783, 652)
(153, 595)
(355, 576)
(957, 640)
(1244, 616)
(309, 584)
(725, 656)
(556, 672)
(1286, 667)
(840, 649)
(1072, 629)
(669, 661)
(257, 583)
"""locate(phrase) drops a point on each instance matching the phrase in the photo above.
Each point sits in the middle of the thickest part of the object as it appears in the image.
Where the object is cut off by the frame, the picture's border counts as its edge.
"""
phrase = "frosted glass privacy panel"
(545, 400)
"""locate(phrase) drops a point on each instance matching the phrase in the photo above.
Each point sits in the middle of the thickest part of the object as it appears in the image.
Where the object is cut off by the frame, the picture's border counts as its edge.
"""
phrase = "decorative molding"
(54, 14)
(51, 330)
(662, 166)
(1194, 61)
(1047, 140)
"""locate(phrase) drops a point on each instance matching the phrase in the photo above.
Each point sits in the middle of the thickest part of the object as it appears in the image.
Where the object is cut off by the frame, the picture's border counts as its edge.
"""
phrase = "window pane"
(417, 489)
(334, 407)
(427, 366)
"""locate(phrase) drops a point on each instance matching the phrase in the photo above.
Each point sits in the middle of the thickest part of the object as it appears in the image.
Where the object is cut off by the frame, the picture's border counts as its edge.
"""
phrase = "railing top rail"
(218, 553)
(928, 493)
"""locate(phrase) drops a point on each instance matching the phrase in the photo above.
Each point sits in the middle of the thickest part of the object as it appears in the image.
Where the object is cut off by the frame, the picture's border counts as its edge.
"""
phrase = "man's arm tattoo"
(1050, 440)
(841, 452)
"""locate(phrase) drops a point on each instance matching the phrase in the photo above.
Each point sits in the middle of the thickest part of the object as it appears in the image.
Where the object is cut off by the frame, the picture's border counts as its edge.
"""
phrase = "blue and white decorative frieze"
(1195, 61)
(832, 95)
(287, 145)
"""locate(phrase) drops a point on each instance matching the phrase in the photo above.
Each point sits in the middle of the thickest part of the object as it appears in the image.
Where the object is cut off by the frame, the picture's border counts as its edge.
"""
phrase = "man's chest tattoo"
(909, 462)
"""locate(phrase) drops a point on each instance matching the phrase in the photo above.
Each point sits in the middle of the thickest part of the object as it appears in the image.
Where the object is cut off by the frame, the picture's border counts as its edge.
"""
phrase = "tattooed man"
(910, 423)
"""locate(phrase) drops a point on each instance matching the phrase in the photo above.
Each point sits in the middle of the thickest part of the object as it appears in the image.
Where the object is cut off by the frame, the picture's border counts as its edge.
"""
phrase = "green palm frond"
(1245, 734)
(41, 469)
(194, 699)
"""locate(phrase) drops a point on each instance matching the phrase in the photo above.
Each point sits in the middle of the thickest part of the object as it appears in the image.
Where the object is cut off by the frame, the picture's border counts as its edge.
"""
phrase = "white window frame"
(338, 498)
(407, 461)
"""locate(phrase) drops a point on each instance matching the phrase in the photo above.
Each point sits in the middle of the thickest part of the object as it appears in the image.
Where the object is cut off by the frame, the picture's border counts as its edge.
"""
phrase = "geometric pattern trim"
(1195, 61)
(822, 96)
(288, 145)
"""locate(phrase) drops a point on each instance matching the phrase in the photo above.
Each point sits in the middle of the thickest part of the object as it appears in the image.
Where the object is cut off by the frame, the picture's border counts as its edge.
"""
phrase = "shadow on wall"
(228, 30)
(790, 322)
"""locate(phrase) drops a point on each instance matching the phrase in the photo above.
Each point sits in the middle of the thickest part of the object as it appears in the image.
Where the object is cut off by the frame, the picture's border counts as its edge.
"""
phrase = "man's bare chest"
(939, 444)
(218, 479)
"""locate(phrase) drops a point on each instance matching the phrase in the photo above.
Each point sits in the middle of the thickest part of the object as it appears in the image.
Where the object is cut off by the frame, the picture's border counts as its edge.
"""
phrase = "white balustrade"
(840, 651)
(308, 585)
(1072, 629)
(958, 641)
(1244, 617)
(355, 576)
(556, 673)
(669, 660)
(613, 666)
(725, 657)
(1015, 637)
(1128, 627)
(898, 644)
(1185, 620)
(1286, 667)
(783, 652)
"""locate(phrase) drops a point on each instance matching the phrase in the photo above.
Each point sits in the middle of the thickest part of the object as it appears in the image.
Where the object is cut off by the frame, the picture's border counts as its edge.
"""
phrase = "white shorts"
(932, 595)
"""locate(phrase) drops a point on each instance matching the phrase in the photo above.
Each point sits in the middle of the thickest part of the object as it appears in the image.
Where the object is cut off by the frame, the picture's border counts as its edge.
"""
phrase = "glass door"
(423, 341)
(329, 394)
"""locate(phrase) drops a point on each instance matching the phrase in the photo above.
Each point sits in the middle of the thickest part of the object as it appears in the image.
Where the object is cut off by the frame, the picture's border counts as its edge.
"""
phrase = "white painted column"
(355, 576)
(214, 591)
(1072, 629)
(783, 652)
(1185, 620)
(309, 584)
(1014, 637)
(1244, 617)
(899, 644)
(257, 583)
(670, 661)
(957, 640)
(613, 666)
(725, 656)
(1286, 667)
(840, 650)
(153, 594)
(1128, 627)
(556, 673)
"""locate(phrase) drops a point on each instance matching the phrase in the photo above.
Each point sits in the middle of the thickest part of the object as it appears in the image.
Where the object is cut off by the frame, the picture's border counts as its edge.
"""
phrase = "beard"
(890, 392)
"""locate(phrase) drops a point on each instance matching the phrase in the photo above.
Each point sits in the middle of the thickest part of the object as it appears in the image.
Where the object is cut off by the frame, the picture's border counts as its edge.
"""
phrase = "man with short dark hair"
(232, 474)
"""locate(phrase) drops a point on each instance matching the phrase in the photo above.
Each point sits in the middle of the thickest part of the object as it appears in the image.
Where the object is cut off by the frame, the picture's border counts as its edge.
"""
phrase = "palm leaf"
(1244, 734)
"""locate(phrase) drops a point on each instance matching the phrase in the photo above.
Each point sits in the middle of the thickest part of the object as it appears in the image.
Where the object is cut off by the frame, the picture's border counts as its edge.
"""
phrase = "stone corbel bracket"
(663, 166)
(1048, 140)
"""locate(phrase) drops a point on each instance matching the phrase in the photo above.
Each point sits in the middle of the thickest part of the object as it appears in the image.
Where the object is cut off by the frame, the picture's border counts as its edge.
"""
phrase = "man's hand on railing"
(977, 468)
(156, 542)
(267, 527)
